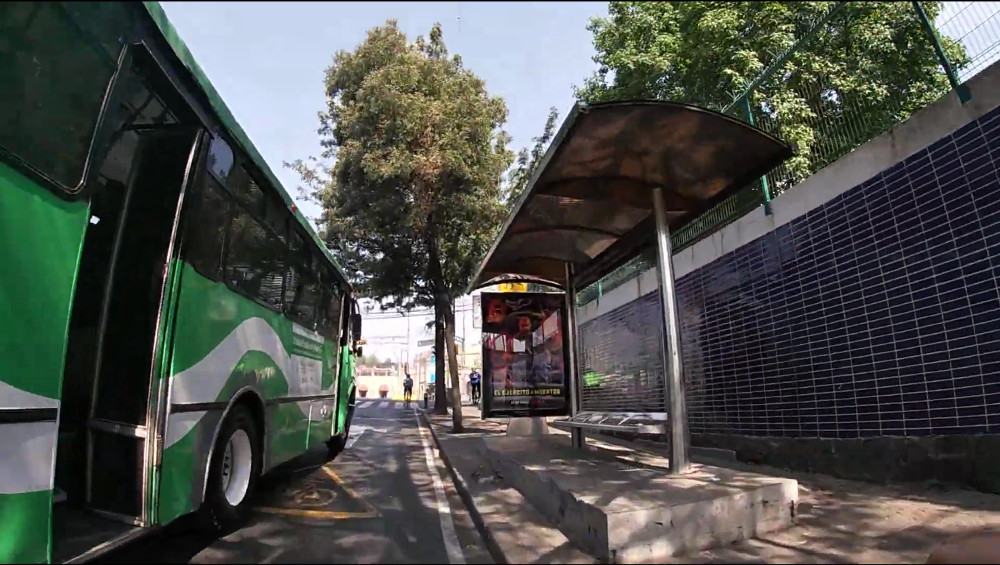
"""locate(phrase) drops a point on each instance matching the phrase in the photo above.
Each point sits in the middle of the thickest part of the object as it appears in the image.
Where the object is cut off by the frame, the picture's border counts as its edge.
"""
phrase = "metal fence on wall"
(828, 113)
(620, 359)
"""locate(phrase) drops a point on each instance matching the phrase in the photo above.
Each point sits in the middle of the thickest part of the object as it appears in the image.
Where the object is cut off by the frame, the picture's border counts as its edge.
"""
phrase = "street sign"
(425, 342)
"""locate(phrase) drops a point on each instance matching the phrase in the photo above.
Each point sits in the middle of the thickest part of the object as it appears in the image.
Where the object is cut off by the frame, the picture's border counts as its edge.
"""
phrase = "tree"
(866, 69)
(414, 198)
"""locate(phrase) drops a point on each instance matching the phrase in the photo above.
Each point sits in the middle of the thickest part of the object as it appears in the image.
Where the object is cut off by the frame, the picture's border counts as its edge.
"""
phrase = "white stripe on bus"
(27, 457)
(27, 449)
(203, 381)
(13, 397)
(180, 424)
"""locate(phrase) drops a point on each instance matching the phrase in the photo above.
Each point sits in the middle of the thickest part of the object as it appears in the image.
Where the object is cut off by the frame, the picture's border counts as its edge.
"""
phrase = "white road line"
(451, 544)
(400, 405)
(385, 404)
(354, 435)
(366, 404)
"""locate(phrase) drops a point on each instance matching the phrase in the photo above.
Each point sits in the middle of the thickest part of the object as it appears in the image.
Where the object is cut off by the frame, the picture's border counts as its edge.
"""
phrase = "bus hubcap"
(237, 462)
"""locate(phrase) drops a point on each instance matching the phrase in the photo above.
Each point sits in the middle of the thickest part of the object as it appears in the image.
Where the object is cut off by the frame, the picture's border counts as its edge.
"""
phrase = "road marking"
(370, 511)
(451, 544)
(400, 405)
(353, 435)
(385, 404)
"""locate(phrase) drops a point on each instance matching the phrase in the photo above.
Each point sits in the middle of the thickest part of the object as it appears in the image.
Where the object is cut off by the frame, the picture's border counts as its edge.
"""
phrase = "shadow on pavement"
(387, 513)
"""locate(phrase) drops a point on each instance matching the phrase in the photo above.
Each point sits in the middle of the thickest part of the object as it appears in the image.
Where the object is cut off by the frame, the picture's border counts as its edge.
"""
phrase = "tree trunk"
(440, 394)
(456, 385)
(436, 276)
(442, 307)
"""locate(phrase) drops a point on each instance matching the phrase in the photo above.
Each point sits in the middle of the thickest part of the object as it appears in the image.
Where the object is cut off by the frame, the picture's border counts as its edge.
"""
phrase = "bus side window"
(331, 299)
(247, 191)
(276, 216)
(220, 160)
(206, 232)
(255, 260)
(60, 75)
(345, 326)
(307, 298)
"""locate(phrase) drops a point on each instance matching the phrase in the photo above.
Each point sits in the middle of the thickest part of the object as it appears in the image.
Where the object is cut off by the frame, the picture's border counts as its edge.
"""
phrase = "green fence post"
(764, 187)
(962, 90)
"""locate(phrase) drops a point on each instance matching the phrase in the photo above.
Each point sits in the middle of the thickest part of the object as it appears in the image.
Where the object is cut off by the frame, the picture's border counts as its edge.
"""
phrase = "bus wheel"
(233, 471)
(338, 443)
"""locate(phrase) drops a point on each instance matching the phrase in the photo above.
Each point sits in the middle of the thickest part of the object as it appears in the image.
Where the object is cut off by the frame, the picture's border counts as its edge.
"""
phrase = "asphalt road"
(386, 499)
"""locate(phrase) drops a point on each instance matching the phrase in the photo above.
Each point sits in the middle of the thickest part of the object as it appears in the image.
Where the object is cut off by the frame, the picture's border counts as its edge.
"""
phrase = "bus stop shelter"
(618, 177)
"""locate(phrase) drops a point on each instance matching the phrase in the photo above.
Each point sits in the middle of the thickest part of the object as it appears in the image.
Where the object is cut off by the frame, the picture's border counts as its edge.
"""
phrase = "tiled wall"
(876, 314)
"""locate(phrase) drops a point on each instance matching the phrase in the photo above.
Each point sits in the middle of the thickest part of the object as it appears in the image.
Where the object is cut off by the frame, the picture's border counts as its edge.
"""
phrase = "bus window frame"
(144, 41)
(57, 187)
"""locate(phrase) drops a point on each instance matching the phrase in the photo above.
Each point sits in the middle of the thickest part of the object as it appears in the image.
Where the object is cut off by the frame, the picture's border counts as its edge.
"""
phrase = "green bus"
(171, 325)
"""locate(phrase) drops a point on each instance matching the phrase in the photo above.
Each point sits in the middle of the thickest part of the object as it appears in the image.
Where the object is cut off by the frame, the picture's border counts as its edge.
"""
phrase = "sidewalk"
(839, 521)
(513, 530)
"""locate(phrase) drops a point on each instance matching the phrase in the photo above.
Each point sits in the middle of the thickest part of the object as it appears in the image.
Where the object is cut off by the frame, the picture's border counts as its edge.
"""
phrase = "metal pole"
(673, 371)
(963, 91)
(569, 342)
(764, 187)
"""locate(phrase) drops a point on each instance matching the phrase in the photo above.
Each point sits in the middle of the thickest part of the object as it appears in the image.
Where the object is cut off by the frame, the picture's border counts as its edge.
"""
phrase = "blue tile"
(965, 133)
(940, 146)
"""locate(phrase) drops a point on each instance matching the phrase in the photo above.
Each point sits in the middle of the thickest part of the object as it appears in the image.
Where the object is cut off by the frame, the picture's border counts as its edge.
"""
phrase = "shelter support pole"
(572, 374)
(673, 370)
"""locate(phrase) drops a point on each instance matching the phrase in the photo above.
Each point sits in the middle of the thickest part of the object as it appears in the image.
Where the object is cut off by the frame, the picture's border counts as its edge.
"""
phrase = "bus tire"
(233, 471)
(338, 443)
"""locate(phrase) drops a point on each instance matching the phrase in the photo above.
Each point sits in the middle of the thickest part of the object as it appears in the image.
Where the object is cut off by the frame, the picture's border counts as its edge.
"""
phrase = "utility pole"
(407, 337)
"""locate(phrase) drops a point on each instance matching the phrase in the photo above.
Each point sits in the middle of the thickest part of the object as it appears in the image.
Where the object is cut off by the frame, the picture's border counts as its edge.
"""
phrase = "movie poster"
(524, 363)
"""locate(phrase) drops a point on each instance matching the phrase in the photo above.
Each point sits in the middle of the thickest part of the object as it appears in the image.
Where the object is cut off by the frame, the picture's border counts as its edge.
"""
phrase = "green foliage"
(866, 69)
(414, 199)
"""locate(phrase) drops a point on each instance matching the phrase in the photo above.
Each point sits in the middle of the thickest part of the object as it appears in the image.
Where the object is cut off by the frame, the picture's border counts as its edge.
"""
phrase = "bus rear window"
(55, 79)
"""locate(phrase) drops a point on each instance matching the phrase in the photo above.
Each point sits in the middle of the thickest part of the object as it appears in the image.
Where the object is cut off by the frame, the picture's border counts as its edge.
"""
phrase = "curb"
(466, 495)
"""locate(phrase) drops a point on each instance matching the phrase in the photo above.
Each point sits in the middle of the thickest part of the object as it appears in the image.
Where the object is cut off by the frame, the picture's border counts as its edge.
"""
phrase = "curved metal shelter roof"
(589, 201)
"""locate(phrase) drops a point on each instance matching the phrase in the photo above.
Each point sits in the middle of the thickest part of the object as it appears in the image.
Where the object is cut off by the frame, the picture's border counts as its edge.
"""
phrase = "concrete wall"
(858, 320)
(374, 378)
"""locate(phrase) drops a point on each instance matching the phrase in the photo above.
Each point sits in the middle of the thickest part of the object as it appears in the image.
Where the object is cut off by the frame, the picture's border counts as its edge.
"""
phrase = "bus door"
(149, 144)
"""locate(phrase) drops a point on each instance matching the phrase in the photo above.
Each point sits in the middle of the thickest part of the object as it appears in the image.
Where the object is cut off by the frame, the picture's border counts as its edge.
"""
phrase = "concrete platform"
(627, 512)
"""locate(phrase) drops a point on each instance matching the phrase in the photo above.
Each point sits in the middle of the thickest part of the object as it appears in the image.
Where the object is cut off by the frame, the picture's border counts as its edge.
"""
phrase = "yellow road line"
(316, 513)
(370, 511)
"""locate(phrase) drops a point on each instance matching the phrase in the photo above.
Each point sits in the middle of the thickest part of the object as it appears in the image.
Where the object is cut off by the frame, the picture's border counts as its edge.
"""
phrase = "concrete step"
(630, 513)
(514, 531)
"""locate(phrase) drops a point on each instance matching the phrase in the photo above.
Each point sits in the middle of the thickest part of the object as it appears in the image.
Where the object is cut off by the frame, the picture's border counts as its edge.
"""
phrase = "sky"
(267, 60)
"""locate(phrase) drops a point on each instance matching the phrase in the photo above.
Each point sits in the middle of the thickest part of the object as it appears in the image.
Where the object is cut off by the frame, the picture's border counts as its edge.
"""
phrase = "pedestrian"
(474, 380)
(407, 388)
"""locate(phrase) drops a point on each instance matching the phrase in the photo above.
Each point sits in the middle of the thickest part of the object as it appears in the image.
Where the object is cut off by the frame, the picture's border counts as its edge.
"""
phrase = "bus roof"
(224, 115)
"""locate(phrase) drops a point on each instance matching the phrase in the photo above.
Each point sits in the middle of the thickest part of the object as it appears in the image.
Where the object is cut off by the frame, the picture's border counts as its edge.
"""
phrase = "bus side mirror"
(356, 327)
